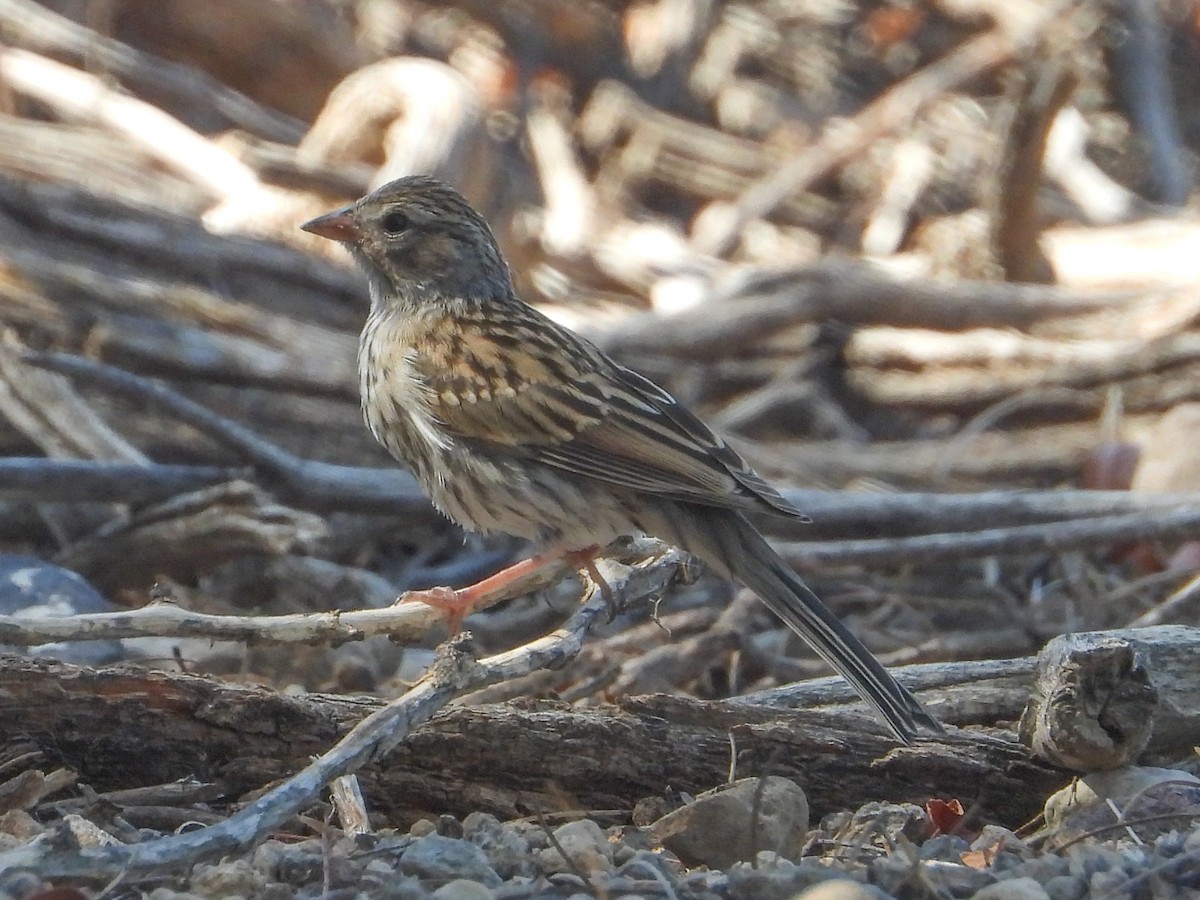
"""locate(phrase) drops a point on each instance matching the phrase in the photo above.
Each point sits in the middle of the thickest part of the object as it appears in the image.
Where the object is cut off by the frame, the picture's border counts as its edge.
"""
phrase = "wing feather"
(584, 414)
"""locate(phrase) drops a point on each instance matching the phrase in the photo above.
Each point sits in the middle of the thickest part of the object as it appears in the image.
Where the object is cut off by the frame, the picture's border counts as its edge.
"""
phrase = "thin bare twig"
(653, 568)
(455, 672)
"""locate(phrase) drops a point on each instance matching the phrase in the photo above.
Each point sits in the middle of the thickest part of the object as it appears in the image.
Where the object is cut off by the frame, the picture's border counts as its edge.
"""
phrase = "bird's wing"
(516, 391)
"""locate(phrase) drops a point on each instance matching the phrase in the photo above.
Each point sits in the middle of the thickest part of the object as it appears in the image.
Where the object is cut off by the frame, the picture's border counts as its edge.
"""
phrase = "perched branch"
(650, 565)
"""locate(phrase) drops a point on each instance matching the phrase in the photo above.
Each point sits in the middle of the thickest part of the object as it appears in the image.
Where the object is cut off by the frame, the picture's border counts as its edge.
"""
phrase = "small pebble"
(1013, 889)
(945, 847)
(842, 889)
(780, 879)
(736, 821)
(448, 826)
(462, 889)
(444, 859)
(507, 851)
(422, 827)
(586, 847)
(953, 878)
(1108, 884)
(227, 879)
(1066, 887)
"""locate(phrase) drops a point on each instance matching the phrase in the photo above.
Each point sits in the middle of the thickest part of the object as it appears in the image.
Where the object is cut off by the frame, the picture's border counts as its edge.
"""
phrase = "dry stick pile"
(869, 242)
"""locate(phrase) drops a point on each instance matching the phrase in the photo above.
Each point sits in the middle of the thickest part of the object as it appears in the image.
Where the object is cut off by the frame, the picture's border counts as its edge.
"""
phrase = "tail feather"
(726, 540)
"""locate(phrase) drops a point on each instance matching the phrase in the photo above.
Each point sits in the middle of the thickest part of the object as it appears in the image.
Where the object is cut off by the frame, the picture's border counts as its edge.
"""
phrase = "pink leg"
(459, 603)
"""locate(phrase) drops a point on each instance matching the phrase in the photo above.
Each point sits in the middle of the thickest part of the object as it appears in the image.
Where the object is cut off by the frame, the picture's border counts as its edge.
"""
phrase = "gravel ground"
(876, 852)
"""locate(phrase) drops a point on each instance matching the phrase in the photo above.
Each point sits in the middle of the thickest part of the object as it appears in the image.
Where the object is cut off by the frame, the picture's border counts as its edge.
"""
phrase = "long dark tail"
(728, 542)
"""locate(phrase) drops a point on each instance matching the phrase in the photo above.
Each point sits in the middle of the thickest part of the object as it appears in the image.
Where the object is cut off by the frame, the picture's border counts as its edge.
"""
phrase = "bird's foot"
(586, 560)
(456, 605)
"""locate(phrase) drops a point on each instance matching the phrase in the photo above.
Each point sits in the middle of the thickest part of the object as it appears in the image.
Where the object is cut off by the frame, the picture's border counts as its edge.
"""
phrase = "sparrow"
(515, 424)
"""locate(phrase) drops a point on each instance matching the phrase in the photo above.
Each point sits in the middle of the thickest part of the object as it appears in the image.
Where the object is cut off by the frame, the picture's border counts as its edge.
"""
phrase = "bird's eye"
(395, 223)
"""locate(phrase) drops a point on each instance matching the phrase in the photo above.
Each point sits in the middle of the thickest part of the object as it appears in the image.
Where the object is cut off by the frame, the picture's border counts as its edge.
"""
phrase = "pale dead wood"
(1055, 537)
(346, 796)
(750, 304)
(1101, 199)
(402, 115)
(391, 490)
(76, 95)
(627, 745)
(494, 757)
(568, 218)
(1122, 664)
(972, 386)
(370, 741)
(189, 534)
(715, 230)
(46, 409)
(1094, 703)
(644, 565)
(1153, 253)
(65, 480)
(34, 27)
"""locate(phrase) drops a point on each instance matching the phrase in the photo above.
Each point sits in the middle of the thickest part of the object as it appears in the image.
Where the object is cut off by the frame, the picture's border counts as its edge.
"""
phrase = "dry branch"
(511, 760)
(370, 741)
(896, 107)
(641, 568)
(32, 26)
(503, 757)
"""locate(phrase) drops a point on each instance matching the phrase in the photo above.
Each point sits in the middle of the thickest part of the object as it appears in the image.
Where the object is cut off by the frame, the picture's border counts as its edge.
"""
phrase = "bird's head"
(419, 242)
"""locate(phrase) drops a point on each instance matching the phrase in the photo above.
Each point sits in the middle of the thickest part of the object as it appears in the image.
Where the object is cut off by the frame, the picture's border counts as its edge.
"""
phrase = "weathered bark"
(123, 728)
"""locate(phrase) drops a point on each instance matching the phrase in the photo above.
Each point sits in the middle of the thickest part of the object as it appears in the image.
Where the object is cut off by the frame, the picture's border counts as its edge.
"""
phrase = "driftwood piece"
(1178, 524)
(523, 758)
(57, 480)
(417, 115)
(1093, 705)
(746, 306)
(998, 690)
(123, 728)
(319, 485)
(46, 409)
(1172, 663)
(76, 95)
